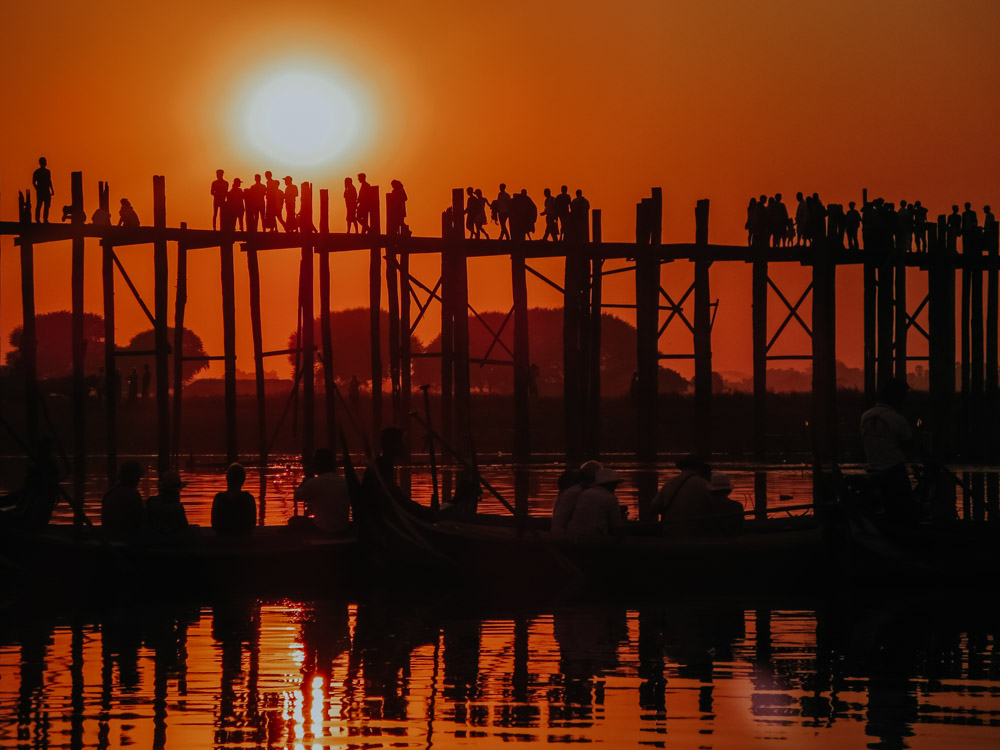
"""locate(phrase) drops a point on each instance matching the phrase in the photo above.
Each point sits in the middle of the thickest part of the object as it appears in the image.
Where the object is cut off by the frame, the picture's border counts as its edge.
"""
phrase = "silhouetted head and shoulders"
(598, 511)
(571, 485)
(164, 512)
(884, 430)
(122, 508)
(234, 511)
(683, 497)
(41, 179)
(325, 494)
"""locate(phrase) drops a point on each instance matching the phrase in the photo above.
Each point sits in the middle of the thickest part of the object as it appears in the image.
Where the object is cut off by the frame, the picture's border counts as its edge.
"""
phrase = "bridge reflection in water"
(404, 671)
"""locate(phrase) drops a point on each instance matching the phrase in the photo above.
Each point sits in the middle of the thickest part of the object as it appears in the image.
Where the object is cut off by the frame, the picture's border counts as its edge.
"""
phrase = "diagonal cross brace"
(793, 312)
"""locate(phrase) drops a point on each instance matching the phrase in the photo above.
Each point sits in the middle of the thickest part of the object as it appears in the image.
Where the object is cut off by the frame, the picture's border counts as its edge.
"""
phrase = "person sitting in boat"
(121, 508)
(34, 503)
(598, 512)
(886, 435)
(465, 503)
(234, 512)
(684, 499)
(164, 512)
(725, 514)
(325, 495)
(391, 440)
(572, 483)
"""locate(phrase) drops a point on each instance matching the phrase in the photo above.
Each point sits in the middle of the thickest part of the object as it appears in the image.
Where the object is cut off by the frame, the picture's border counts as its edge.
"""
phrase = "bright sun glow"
(301, 118)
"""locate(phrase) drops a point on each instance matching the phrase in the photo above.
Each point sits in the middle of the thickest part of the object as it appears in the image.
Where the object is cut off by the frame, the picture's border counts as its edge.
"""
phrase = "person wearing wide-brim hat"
(598, 512)
(164, 512)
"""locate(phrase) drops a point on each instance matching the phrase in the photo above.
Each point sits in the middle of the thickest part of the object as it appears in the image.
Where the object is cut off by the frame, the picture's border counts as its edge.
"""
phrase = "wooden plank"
(375, 308)
(702, 338)
(161, 284)
(326, 330)
(79, 345)
(308, 327)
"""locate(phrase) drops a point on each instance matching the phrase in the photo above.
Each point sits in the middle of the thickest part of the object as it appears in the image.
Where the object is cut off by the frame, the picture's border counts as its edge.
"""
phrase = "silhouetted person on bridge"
(480, 217)
(970, 223)
(220, 189)
(127, 217)
(351, 205)
(816, 220)
(920, 227)
(801, 219)
(549, 212)
(579, 216)
(234, 512)
(904, 227)
(852, 220)
(395, 210)
(954, 227)
(255, 199)
(290, 223)
(989, 222)
(235, 206)
(751, 221)
(101, 217)
(777, 219)
(760, 227)
(41, 179)
(501, 211)
(562, 206)
(367, 202)
(275, 199)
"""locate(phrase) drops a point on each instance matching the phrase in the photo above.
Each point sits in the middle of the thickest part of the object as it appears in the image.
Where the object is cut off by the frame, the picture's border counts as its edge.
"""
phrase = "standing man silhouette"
(501, 211)
(366, 199)
(236, 205)
(852, 220)
(220, 188)
(274, 198)
(42, 182)
(562, 204)
(351, 204)
(254, 197)
(291, 193)
(580, 216)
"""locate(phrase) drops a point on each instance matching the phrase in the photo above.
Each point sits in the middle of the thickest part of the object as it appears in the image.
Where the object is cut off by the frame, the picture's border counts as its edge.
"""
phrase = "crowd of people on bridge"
(882, 224)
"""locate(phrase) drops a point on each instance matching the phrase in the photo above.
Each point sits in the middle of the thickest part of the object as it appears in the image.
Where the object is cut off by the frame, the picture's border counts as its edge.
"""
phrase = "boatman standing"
(886, 434)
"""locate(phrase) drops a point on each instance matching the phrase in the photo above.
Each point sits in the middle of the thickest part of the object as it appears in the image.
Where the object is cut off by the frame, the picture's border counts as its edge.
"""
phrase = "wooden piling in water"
(522, 421)
(180, 303)
(405, 353)
(460, 295)
(325, 325)
(229, 346)
(973, 250)
(759, 333)
(308, 327)
(375, 310)
(647, 297)
(79, 344)
(900, 323)
(593, 401)
(991, 410)
(451, 223)
(886, 317)
(941, 346)
(965, 406)
(161, 283)
(392, 300)
(824, 350)
(253, 269)
(110, 384)
(702, 337)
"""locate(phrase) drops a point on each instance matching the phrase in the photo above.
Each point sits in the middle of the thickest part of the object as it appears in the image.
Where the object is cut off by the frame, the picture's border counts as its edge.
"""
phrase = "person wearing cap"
(597, 512)
(234, 512)
(683, 499)
(324, 495)
(164, 512)
(725, 514)
(571, 486)
(121, 507)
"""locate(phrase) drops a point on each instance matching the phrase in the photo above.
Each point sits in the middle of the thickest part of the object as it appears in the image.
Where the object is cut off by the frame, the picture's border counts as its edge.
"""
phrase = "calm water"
(421, 673)
(396, 670)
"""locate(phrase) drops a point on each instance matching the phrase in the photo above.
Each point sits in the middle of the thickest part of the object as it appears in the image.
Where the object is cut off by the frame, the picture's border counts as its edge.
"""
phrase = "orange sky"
(710, 99)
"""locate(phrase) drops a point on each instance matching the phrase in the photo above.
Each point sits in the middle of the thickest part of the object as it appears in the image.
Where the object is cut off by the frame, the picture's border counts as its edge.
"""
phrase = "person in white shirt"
(325, 495)
(597, 510)
(572, 485)
(887, 435)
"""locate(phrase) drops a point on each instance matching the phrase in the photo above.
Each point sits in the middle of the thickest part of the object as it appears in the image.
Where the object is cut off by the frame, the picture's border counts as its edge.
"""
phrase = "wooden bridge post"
(375, 310)
(647, 296)
(899, 298)
(451, 222)
(110, 384)
(966, 346)
(571, 350)
(460, 297)
(972, 249)
(759, 323)
(308, 326)
(886, 316)
(161, 284)
(824, 326)
(325, 328)
(392, 298)
(179, 304)
(702, 337)
(79, 344)
(991, 410)
(870, 297)
(941, 321)
(522, 419)
(29, 342)
(593, 401)
(405, 353)
(229, 345)
(253, 269)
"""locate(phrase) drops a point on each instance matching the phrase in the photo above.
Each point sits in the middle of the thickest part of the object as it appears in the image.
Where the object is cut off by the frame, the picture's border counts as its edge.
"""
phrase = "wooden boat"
(839, 546)
(278, 560)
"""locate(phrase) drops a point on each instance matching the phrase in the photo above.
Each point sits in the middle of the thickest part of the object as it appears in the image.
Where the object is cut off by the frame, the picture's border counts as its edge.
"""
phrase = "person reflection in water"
(234, 512)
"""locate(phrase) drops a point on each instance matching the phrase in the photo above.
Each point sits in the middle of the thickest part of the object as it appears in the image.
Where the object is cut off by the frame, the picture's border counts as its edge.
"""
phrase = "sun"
(301, 117)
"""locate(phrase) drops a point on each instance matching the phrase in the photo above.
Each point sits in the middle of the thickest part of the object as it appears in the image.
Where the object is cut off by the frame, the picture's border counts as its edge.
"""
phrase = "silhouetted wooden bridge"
(888, 321)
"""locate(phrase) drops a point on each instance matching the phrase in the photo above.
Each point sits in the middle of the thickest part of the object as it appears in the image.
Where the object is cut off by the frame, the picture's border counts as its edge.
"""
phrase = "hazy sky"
(719, 99)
